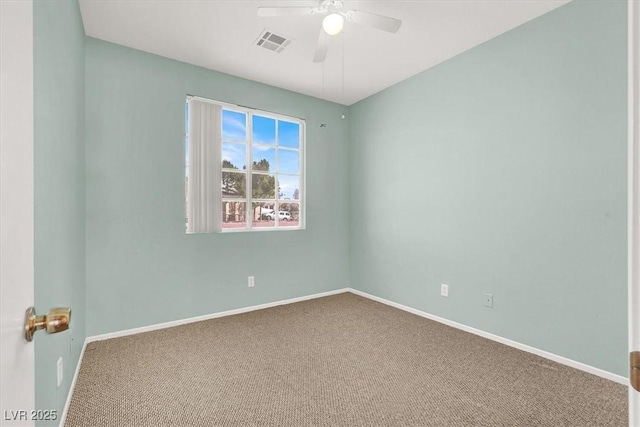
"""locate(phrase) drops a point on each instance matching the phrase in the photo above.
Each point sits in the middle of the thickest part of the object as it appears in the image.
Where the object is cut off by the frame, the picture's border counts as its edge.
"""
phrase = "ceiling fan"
(333, 22)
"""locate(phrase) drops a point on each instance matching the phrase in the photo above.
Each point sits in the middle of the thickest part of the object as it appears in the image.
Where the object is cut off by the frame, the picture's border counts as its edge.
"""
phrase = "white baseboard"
(554, 357)
(210, 316)
(63, 418)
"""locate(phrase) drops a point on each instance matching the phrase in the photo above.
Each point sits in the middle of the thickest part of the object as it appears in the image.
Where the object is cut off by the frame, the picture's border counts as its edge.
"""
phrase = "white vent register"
(271, 41)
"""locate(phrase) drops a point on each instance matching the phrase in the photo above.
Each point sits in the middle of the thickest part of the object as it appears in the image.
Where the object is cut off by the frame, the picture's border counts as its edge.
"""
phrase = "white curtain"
(204, 205)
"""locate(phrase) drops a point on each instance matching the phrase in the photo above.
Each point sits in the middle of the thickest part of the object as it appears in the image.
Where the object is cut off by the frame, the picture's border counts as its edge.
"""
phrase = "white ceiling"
(221, 35)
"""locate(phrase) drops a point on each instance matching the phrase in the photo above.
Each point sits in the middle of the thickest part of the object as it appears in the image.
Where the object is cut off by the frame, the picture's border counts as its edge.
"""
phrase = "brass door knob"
(56, 320)
(634, 371)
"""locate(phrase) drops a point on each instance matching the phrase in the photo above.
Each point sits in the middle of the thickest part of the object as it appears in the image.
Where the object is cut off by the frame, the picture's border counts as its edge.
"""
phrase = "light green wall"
(142, 268)
(59, 191)
(503, 170)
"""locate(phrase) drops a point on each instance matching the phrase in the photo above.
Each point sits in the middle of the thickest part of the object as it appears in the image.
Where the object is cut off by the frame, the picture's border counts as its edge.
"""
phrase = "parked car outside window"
(282, 216)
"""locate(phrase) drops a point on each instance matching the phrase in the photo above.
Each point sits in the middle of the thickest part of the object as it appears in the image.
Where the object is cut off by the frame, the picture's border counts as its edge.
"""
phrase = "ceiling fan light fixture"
(333, 24)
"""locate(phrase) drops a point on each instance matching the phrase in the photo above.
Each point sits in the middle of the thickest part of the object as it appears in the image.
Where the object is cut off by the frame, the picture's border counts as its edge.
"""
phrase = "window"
(244, 169)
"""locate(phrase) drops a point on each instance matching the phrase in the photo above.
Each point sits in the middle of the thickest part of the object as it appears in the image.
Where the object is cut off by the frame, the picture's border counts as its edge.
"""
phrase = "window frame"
(248, 199)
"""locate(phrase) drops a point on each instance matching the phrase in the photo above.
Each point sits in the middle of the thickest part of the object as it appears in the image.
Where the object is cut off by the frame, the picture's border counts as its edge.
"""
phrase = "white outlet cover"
(251, 281)
(59, 371)
(444, 290)
(488, 300)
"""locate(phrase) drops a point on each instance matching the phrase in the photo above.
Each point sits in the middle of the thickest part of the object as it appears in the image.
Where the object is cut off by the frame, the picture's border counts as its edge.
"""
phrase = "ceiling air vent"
(273, 42)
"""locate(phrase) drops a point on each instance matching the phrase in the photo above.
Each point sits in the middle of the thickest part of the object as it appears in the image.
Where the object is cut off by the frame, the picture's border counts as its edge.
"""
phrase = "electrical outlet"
(251, 281)
(59, 371)
(444, 290)
(488, 300)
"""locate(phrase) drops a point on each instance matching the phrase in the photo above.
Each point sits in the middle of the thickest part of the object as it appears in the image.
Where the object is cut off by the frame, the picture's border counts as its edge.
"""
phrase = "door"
(634, 198)
(16, 210)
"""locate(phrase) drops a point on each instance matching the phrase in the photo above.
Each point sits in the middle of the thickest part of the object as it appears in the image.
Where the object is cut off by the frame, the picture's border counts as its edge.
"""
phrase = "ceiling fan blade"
(269, 12)
(385, 23)
(322, 47)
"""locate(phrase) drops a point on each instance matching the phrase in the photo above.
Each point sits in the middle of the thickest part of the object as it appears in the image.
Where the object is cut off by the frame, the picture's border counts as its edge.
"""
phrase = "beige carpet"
(342, 360)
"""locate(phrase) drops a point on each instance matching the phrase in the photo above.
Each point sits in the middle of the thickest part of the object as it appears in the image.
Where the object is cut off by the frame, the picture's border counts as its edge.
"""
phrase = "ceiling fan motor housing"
(331, 6)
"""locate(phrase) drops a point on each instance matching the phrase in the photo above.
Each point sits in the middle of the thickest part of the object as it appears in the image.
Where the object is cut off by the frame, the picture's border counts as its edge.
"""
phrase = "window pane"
(264, 130)
(233, 215)
(234, 155)
(234, 125)
(288, 161)
(288, 187)
(263, 186)
(264, 158)
(264, 215)
(234, 184)
(288, 134)
(289, 214)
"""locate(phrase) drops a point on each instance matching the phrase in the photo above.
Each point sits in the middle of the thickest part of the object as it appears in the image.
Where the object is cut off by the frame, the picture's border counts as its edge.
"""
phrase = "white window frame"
(248, 142)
